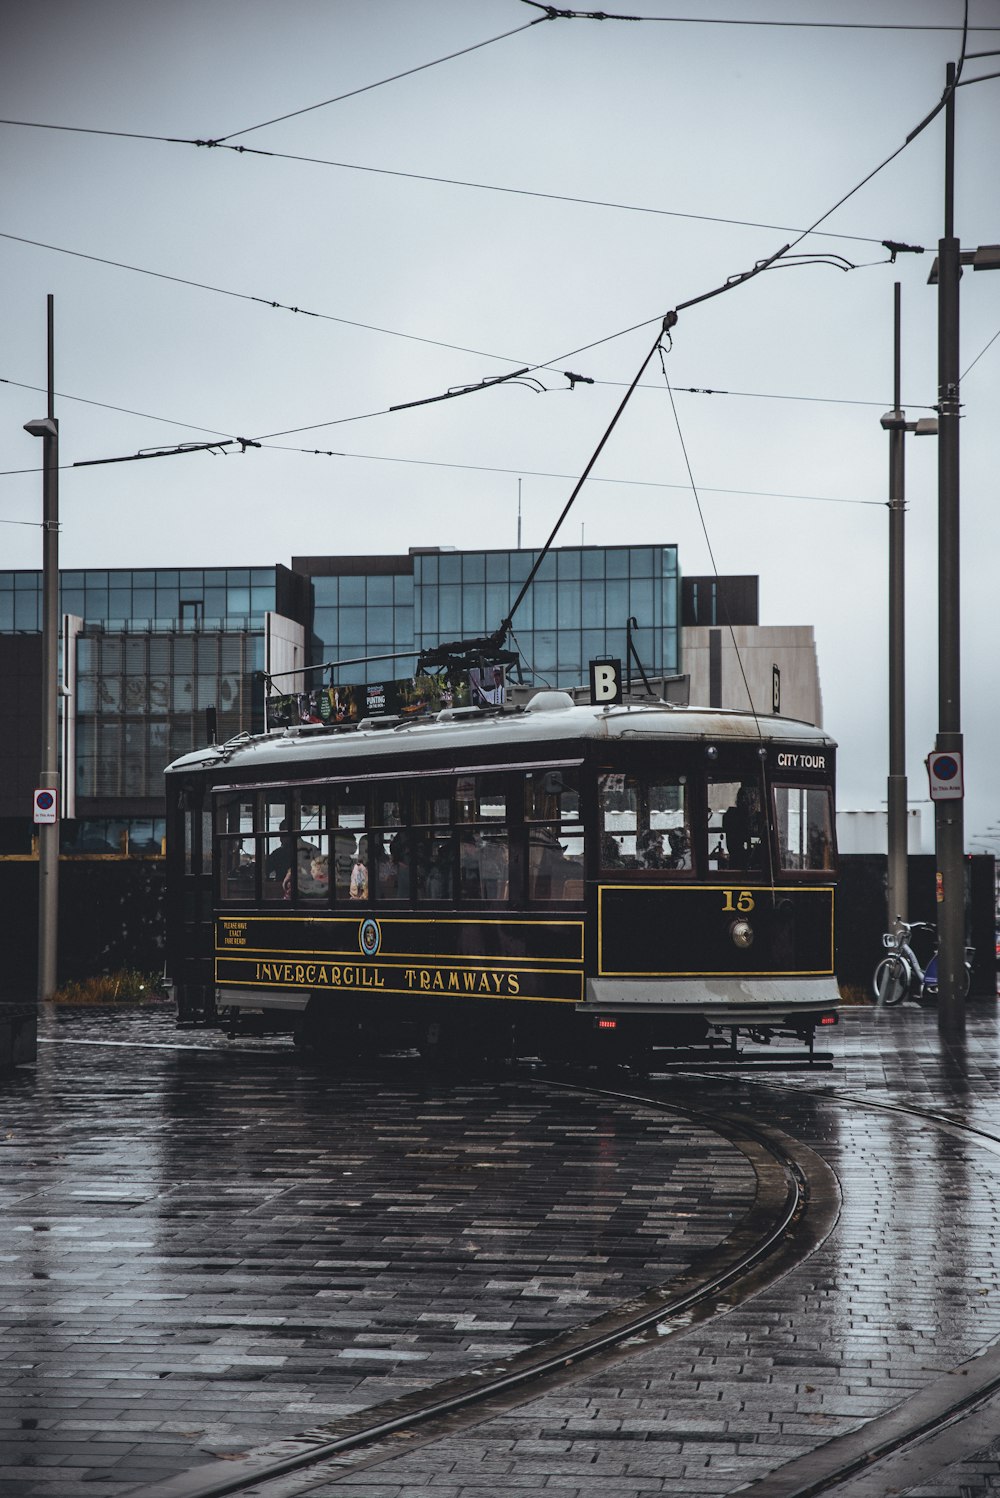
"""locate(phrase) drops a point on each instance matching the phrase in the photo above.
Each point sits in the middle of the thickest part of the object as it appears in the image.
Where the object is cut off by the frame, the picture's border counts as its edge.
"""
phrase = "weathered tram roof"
(549, 718)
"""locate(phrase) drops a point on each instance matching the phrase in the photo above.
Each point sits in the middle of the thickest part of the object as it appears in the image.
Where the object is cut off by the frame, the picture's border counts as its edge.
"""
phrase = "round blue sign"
(945, 767)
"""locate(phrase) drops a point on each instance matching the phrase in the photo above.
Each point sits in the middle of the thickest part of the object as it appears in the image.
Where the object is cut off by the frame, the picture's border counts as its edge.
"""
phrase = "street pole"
(897, 865)
(48, 833)
(949, 814)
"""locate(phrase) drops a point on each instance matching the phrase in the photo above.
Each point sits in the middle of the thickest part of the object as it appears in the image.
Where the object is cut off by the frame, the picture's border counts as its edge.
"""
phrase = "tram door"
(190, 943)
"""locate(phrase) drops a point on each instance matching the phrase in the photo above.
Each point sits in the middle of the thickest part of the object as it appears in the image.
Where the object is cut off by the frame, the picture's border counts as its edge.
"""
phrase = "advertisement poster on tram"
(405, 698)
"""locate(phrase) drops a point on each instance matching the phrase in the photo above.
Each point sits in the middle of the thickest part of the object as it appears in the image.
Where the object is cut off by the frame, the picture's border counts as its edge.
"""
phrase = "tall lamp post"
(48, 831)
(895, 423)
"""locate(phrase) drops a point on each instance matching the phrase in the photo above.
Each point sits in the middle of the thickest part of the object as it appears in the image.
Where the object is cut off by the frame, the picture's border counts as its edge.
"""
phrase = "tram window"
(314, 815)
(555, 864)
(434, 864)
(555, 837)
(237, 865)
(349, 822)
(313, 871)
(206, 842)
(552, 795)
(389, 863)
(735, 825)
(234, 812)
(278, 823)
(432, 804)
(805, 827)
(619, 796)
(665, 839)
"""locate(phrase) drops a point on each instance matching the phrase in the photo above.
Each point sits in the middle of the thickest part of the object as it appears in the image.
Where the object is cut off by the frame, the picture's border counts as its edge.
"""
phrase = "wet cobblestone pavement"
(205, 1246)
(190, 1270)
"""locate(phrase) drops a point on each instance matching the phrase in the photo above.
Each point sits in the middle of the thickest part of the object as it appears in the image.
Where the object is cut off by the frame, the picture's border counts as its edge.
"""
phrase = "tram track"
(898, 1449)
(796, 1207)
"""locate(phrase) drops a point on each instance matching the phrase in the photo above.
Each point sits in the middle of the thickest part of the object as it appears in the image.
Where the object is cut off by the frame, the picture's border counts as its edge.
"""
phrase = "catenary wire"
(367, 87)
(553, 13)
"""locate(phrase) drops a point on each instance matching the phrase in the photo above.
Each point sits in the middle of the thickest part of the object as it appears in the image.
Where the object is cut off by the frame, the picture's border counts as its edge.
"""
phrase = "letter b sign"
(605, 682)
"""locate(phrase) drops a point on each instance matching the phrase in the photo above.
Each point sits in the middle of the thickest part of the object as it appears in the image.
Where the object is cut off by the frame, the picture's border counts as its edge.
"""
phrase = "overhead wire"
(367, 87)
(555, 14)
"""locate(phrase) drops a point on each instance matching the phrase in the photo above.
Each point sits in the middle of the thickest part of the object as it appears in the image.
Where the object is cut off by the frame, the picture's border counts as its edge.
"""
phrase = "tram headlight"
(742, 934)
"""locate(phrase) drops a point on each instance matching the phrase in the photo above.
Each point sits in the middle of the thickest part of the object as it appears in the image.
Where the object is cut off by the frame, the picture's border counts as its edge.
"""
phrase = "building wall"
(723, 663)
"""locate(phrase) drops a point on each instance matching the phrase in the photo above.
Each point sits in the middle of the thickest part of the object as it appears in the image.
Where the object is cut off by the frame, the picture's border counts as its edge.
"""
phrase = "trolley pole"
(949, 818)
(48, 833)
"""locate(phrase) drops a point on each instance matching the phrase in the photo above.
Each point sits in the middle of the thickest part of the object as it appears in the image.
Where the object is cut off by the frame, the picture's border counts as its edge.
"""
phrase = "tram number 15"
(741, 900)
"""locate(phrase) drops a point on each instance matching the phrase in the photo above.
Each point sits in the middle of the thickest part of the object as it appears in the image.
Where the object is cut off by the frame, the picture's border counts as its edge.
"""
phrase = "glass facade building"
(150, 650)
(577, 609)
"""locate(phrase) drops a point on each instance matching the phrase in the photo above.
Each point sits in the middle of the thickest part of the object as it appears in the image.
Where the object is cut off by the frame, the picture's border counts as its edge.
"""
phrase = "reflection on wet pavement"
(206, 1246)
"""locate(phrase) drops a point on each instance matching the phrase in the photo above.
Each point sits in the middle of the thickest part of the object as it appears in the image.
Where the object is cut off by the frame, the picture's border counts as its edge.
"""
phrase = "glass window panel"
(665, 842)
(554, 857)
(326, 591)
(616, 564)
(109, 694)
(450, 568)
(26, 612)
(483, 864)
(237, 867)
(568, 608)
(359, 885)
(474, 567)
(379, 624)
(474, 607)
(207, 692)
(521, 563)
(390, 865)
(805, 828)
(352, 627)
(545, 605)
(616, 603)
(237, 600)
(312, 872)
(426, 570)
(314, 814)
(72, 600)
(449, 610)
(350, 806)
(434, 865)
(735, 825)
(543, 651)
(570, 661)
(379, 591)
(568, 564)
(388, 809)
(641, 600)
(402, 590)
(352, 590)
(497, 566)
(402, 626)
(432, 803)
(619, 820)
(262, 577)
(552, 795)
(7, 611)
(592, 562)
(143, 603)
(641, 562)
(261, 600)
(136, 698)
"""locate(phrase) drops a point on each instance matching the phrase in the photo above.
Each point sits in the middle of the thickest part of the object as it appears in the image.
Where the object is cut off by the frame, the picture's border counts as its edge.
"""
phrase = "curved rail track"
(796, 1207)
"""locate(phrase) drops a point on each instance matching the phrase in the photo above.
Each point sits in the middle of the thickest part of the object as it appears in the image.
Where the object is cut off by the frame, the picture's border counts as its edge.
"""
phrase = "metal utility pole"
(949, 819)
(48, 796)
(896, 791)
(895, 423)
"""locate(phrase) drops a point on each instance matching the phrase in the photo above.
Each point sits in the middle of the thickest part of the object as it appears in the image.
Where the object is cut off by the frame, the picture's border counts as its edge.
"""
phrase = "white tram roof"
(549, 718)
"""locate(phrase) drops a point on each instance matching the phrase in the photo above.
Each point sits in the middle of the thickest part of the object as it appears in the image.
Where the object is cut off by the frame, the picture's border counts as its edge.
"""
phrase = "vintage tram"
(555, 880)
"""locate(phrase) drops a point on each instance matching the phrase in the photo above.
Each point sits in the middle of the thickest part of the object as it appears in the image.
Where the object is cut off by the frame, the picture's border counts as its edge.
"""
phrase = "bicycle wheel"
(891, 981)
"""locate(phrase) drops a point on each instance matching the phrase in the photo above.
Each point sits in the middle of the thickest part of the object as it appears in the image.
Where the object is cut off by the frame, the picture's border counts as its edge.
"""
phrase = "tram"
(557, 879)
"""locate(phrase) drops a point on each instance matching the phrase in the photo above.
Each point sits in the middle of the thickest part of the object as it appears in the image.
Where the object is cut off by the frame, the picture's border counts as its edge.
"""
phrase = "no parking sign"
(45, 807)
(945, 774)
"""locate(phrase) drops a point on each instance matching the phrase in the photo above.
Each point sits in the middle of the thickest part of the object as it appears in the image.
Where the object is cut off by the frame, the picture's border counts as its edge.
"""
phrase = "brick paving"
(205, 1247)
(204, 1252)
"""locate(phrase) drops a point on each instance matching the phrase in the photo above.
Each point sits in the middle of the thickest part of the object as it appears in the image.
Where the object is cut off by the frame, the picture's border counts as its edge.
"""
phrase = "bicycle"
(898, 973)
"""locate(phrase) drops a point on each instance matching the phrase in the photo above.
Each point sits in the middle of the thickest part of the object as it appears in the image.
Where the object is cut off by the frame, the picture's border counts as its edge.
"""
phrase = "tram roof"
(549, 718)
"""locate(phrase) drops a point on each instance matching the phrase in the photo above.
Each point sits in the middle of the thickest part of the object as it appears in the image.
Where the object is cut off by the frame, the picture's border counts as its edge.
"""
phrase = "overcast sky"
(701, 148)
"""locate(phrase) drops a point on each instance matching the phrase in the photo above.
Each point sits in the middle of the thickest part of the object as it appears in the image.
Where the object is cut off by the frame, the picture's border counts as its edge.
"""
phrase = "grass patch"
(125, 987)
